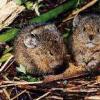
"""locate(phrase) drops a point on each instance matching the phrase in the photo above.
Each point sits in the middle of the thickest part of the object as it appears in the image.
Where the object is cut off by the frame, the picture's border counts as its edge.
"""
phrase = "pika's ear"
(76, 20)
(30, 42)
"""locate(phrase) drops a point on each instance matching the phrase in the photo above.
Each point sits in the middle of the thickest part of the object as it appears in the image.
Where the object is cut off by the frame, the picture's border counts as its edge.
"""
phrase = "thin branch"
(3, 67)
(41, 97)
(54, 98)
(18, 95)
(75, 12)
(7, 94)
(96, 97)
(21, 82)
(12, 83)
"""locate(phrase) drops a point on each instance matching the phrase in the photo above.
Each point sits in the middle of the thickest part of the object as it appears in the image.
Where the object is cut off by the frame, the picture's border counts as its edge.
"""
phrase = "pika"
(41, 50)
(85, 41)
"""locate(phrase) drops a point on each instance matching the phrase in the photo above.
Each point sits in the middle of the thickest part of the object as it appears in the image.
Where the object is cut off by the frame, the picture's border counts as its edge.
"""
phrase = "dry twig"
(44, 95)
(76, 12)
(7, 94)
(3, 67)
(18, 95)
(13, 83)
(96, 97)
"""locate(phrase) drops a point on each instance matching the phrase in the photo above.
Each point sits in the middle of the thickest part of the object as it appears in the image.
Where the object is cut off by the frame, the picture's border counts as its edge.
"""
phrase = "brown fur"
(49, 53)
(85, 41)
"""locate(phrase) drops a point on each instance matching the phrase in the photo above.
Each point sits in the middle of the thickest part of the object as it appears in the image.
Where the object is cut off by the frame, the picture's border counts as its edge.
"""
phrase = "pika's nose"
(60, 68)
(91, 37)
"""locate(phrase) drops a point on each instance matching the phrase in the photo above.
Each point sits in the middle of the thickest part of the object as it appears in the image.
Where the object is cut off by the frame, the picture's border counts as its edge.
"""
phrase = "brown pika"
(85, 41)
(41, 50)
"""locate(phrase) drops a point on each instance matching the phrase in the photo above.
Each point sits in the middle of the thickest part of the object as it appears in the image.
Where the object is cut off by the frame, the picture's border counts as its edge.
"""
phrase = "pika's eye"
(84, 28)
(98, 30)
(30, 41)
